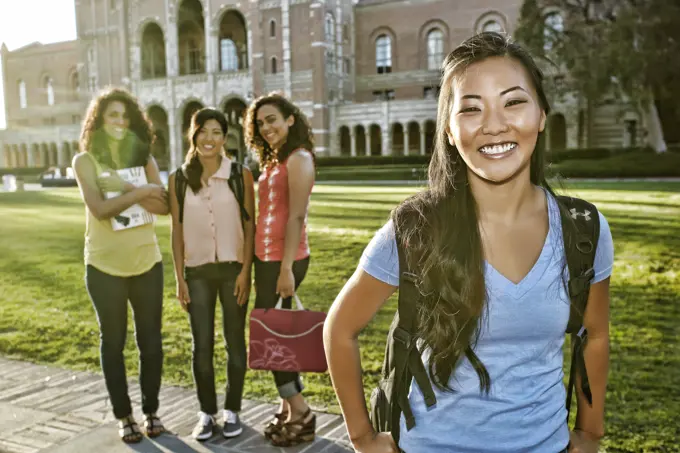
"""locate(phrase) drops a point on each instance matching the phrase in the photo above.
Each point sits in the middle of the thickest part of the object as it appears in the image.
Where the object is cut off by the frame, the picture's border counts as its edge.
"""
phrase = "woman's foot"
(275, 424)
(205, 427)
(296, 431)
(128, 430)
(153, 426)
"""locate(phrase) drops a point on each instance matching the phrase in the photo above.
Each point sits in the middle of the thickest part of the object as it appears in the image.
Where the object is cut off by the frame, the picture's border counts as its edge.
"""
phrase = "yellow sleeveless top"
(123, 253)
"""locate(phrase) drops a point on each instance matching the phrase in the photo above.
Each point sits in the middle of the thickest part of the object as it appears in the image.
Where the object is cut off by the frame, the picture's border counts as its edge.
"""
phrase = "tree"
(622, 48)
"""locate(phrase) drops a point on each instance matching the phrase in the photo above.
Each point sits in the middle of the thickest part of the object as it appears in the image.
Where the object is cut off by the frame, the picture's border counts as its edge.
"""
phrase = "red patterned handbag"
(287, 340)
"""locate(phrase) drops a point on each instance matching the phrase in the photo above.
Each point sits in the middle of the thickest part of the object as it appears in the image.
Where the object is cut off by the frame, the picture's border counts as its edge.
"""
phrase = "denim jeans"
(205, 284)
(266, 275)
(110, 295)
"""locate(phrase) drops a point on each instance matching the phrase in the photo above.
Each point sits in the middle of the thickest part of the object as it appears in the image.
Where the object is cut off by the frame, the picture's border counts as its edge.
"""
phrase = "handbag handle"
(298, 304)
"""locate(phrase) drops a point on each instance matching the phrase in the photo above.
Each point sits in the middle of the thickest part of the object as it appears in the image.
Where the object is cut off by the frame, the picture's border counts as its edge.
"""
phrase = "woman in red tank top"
(282, 136)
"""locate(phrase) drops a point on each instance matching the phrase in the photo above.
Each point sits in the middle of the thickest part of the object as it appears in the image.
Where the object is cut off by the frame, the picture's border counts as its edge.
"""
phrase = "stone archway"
(160, 149)
(345, 141)
(397, 139)
(189, 110)
(191, 37)
(360, 138)
(233, 42)
(153, 52)
(376, 140)
(235, 109)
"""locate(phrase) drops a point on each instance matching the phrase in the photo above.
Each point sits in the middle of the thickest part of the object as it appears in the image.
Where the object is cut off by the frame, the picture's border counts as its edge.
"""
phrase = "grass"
(46, 316)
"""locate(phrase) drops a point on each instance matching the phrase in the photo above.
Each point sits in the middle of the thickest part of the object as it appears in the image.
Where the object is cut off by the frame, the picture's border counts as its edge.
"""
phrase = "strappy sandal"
(274, 426)
(153, 426)
(295, 432)
(128, 430)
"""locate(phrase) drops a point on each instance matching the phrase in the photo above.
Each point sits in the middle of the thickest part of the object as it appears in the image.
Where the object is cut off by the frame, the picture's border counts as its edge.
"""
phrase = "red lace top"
(273, 209)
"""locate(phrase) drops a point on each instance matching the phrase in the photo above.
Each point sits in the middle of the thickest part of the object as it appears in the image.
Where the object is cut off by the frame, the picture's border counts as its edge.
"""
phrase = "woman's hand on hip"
(285, 284)
(242, 287)
(183, 294)
(375, 443)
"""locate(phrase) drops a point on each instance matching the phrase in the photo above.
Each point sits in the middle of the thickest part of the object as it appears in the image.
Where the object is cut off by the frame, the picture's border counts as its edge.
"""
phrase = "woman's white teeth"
(497, 149)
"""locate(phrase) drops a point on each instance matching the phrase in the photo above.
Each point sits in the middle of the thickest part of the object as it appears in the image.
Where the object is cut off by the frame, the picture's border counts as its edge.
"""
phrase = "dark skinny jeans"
(110, 295)
(206, 283)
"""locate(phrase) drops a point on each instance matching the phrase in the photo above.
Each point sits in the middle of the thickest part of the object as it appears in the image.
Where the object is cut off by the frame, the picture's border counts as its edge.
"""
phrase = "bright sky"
(25, 21)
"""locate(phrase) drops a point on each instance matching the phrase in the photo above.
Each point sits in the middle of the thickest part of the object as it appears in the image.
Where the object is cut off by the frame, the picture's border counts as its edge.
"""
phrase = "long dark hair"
(439, 227)
(192, 167)
(134, 148)
(299, 134)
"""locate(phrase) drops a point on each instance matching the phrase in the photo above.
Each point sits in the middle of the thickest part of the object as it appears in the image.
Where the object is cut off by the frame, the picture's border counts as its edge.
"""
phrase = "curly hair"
(299, 134)
(135, 147)
(192, 167)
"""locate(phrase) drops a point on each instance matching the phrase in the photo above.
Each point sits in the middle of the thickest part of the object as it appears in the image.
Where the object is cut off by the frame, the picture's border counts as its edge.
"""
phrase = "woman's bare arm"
(154, 205)
(100, 207)
(590, 419)
(358, 302)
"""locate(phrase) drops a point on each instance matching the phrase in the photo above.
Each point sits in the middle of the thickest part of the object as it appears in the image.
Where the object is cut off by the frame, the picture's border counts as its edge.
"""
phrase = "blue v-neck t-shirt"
(520, 343)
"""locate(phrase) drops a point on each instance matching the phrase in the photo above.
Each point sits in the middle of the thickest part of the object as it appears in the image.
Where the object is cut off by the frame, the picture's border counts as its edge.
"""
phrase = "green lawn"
(45, 314)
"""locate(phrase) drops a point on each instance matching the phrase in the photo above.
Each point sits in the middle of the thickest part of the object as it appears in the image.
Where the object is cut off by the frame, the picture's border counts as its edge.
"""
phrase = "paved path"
(49, 409)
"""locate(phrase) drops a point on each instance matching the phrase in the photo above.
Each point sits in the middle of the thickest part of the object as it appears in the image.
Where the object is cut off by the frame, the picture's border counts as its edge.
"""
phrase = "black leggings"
(110, 295)
(266, 274)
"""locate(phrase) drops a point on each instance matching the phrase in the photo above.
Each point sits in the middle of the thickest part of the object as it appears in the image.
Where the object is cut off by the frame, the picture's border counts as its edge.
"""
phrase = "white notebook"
(135, 215)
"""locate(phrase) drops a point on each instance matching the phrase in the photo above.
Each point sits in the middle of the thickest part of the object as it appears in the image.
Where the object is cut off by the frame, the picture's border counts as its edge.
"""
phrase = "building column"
(386, 141)
(4, 157)
(353, 141)
(211, 44)
(367, 134)
(60, 155)
(285, 33)
(30, 158)
(406, 140)
(422, 139)
(171, 39)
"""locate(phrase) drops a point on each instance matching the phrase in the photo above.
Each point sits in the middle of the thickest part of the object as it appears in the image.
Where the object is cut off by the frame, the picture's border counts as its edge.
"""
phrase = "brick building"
(364, 71)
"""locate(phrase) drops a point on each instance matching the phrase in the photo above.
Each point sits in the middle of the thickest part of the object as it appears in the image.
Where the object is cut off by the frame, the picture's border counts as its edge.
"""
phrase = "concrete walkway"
(49, 409)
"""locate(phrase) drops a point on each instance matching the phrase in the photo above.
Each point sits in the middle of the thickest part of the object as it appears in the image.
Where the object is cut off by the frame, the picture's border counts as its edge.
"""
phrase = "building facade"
(365, 72)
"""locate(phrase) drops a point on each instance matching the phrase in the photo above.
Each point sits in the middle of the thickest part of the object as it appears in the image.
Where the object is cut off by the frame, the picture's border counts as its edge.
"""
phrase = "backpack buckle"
(578, 284)
(403, 336)
(413, 278)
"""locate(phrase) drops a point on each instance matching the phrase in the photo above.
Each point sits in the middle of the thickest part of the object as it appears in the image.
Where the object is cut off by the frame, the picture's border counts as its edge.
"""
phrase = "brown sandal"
(153, 426)
(128, 430)
(274, 426)
(296, 432)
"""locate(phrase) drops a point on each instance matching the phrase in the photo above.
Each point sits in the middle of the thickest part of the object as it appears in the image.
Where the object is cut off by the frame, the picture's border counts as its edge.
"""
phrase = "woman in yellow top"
(123, 264)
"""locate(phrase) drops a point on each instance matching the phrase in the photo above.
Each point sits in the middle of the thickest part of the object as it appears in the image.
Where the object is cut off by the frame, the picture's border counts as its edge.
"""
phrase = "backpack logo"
(575, 214)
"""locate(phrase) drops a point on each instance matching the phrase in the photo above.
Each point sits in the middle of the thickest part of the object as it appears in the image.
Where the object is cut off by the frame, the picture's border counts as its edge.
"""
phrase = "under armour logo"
(585, 214)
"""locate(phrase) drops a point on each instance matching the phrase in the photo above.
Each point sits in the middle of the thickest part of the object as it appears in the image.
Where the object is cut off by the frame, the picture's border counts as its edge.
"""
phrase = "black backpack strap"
(580, 246)
(180, 191)
(238, 187)
(408, 359)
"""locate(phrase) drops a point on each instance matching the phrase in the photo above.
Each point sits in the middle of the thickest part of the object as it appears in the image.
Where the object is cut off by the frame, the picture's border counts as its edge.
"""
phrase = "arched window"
(492, 25)
(383, 54)
(272, 28)
(553, 26)
(435, 49)
(273, 66)
(22, 94)
(49, 90)
(228, 55)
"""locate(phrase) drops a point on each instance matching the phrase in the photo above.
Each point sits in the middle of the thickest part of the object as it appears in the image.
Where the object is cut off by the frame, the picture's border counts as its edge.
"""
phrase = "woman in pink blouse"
(212, 246)
(281, 134)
